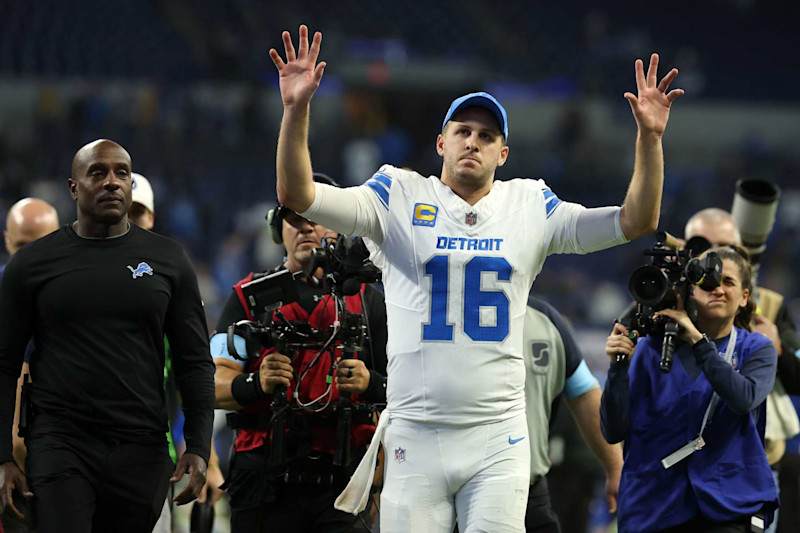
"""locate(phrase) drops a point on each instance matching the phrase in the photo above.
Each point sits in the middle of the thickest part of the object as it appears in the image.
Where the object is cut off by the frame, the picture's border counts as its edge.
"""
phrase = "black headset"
(275, 215)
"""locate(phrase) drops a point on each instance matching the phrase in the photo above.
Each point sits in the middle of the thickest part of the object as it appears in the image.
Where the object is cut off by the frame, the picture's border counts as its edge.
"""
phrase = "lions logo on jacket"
(140, 270)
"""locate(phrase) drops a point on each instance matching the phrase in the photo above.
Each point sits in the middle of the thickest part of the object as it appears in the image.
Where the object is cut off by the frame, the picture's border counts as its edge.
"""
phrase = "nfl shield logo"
(399, 455)
(471, 219)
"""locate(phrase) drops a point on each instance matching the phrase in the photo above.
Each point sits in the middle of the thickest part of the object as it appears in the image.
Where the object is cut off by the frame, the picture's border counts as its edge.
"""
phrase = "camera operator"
(297, 496)
(694, 437)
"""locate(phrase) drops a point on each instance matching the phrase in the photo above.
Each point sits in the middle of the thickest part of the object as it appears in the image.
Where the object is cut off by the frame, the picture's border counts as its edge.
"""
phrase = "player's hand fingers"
(641, 84)
(316, 45)
(666, 80)
(276, 58)
(633, 101)
(288, 46)
(652, 71)
(302, 42)
(674, 93)
(319, 71)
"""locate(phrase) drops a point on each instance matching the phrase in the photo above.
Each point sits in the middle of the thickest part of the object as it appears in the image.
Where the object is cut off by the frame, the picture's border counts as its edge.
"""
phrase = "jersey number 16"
(438, 329)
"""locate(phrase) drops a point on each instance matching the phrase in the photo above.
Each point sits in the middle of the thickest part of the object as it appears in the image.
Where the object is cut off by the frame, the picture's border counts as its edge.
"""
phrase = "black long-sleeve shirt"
(98, 311)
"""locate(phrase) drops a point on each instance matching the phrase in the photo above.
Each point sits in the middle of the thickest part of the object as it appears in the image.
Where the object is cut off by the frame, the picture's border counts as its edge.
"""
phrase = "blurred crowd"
(191, 93)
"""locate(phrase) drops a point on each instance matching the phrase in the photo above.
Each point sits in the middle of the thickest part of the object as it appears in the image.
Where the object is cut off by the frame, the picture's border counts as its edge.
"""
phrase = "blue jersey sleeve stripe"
(219, 347)
(580, 382)
(383, 178)
(385, 187)
(382, 193)
(551, 205)
(548, 194)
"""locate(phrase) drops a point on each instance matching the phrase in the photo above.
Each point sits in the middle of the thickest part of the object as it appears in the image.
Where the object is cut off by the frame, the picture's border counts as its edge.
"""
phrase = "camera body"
(665, 282)
(345, 265)
(669, 277)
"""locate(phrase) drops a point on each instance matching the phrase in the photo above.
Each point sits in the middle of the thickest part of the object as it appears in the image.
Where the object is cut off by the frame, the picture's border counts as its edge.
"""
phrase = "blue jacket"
(656, 414)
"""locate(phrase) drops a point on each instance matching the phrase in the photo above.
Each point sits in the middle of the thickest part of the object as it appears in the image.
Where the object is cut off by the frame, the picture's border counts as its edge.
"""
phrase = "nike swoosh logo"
(514, 441)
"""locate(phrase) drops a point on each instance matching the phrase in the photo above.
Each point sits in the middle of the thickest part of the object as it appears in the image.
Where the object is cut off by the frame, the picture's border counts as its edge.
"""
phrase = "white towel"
(353, 498)
(782, 421)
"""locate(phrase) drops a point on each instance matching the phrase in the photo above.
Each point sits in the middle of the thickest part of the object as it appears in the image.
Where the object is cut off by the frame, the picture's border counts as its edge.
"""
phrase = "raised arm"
(299, 77)
(640, 212)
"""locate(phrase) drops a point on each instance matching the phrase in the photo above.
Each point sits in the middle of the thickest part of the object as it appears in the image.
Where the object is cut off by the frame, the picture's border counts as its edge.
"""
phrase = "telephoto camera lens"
(648, 285)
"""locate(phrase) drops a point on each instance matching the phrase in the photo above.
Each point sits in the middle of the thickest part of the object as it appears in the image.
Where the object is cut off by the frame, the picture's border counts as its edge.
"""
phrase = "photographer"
(694, 437)
(774, 320)
(298, 496)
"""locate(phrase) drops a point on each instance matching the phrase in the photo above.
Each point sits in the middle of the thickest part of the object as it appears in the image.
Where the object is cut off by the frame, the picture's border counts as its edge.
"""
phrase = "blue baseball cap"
(484, 100)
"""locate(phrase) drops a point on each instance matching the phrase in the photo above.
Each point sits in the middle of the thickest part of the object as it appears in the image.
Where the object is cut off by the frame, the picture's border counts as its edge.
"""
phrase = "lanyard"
(697, 443)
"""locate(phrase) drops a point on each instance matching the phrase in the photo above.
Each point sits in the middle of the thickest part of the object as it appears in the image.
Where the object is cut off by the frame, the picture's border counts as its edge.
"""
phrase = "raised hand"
(651, 106)
(300, 74)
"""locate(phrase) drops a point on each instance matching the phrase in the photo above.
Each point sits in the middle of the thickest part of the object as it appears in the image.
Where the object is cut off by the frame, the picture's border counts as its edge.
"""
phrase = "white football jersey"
(457, 278)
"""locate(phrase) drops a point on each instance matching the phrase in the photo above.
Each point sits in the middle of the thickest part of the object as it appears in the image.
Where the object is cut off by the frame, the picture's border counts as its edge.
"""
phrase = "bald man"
(28, 219)
(98, 296)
